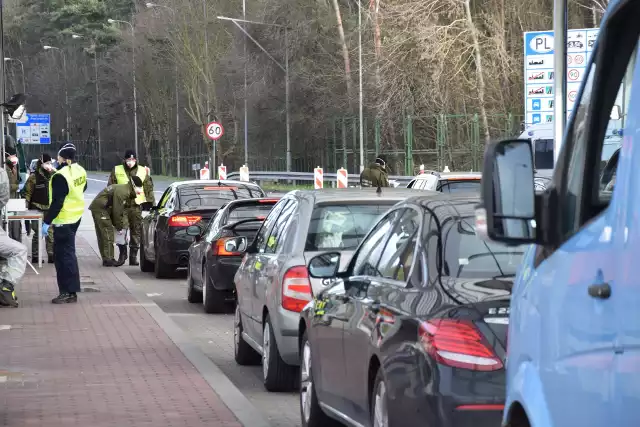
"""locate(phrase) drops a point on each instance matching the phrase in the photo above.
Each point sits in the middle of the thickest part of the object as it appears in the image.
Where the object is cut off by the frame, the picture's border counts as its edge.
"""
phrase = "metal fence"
(456, 141)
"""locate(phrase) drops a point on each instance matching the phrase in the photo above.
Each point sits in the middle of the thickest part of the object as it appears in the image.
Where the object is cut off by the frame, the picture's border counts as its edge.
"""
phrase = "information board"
(539, 73)
(35, 130)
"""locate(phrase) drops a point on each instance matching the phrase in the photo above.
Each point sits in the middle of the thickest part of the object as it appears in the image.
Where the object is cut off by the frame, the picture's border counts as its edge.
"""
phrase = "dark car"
(212, 262)
(413, 331)
(165, 242)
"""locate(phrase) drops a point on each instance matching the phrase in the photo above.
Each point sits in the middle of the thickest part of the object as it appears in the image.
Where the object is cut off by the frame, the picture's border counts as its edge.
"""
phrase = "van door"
(569, 298)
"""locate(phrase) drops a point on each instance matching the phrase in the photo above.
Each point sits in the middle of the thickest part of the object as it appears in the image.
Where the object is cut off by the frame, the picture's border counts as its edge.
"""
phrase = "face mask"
(131, 163)
(47, 166)
(13, 160)
(138, 190)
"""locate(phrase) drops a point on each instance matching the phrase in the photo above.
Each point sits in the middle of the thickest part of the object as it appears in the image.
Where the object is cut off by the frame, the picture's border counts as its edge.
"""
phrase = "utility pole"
(560, 70)
(3, 95)
(246, 120)
(212, 167)
(360, 85)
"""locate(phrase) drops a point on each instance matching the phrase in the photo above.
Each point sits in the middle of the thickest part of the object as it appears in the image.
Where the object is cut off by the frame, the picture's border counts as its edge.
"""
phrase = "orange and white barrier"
(204, 173)
(318, 178)
(343, 178)
(421, 169)
(222, 172)
(244, 173)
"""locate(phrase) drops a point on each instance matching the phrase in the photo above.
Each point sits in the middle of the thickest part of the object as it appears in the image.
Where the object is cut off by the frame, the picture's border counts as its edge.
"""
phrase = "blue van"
(574, 333)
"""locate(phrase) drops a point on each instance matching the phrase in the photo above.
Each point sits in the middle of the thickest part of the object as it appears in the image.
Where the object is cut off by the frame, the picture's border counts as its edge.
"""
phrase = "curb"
(246, 413)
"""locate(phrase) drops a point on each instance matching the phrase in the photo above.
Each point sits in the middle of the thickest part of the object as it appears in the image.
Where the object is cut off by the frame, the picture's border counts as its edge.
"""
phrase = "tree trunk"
(374, 8)
(345, 50)
(479, 70)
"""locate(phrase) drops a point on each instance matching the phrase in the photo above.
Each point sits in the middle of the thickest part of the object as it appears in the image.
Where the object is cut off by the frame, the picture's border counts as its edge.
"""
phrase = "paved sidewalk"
(101, 362)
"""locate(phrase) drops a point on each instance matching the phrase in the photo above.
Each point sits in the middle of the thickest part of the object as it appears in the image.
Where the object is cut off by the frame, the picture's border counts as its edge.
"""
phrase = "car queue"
(380, 306)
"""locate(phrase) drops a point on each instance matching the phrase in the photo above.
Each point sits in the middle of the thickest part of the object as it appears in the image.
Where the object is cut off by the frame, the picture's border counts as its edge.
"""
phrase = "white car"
(447, 182)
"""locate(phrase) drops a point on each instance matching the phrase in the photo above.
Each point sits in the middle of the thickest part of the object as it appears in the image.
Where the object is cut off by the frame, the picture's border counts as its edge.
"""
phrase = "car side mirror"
(194, 231)
(324, 266)
(508, 213)
(236, 245)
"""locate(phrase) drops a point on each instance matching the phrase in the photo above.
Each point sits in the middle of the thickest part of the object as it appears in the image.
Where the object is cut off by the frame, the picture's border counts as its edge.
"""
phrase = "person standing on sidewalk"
(121, 175)
(13, 253)
(66, 206)
(36, 193)
(109, 210)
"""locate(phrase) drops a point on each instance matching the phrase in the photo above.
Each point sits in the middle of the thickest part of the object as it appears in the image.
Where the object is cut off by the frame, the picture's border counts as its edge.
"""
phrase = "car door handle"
(602, 291)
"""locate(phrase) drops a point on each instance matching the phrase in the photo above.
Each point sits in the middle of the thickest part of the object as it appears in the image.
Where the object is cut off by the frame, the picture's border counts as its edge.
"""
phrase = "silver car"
(272, 283)
(447, 182)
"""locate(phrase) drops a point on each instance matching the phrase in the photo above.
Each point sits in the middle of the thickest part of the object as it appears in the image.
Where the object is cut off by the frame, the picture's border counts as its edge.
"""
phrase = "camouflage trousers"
(34, 240)
(134, 218)
(105, 234)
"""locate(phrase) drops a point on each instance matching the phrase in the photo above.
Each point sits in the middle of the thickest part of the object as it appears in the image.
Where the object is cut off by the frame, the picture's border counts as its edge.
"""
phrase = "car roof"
(255, 201)
(451, 175)
(370, 194)
(215, 182)
(447, 204)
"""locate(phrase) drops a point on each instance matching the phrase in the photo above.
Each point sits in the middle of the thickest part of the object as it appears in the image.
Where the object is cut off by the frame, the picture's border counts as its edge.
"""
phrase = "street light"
(66, 92)
(135, 96)
(24, 86)
(95, 67)
(284, 68)
(151, 6)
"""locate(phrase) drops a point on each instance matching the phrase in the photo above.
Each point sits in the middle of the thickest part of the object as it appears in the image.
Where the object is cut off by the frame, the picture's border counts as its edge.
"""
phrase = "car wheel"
(310, 412)
(146, 266)
(214, 300)
(193, 295)
(379, 413)
(276, 374)
(160, 269)
(243, 353)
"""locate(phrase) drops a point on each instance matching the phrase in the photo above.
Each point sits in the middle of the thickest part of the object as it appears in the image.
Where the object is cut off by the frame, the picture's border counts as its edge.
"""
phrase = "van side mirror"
(508, 213)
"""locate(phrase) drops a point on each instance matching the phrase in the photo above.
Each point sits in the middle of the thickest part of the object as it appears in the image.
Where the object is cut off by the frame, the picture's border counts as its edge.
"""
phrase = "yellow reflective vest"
(123, 178)
(73, 206)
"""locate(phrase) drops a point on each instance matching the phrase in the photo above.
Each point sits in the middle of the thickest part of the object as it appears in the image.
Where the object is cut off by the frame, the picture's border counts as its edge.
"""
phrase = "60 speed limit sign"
(215, 131)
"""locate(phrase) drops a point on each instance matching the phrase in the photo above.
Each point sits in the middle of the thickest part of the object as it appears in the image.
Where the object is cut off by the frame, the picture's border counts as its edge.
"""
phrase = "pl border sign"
(215, 131)
(539, 75)
(35, 130)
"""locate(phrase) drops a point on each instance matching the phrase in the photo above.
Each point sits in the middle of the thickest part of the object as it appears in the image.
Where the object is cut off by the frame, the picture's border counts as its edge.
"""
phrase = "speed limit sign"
(215, 130)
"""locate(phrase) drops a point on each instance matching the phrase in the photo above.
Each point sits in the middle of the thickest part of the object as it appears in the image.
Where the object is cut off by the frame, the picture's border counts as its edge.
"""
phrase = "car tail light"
(219, 250)
(296, 289)
(268, 200)
(184, 220)
(457, 343)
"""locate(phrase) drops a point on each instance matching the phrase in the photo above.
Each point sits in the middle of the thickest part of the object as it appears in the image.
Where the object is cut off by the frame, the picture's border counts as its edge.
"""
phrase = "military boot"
(133, 256)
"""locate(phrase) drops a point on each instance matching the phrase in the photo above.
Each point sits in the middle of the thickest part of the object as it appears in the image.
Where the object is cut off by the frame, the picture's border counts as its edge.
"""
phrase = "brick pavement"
(101, 362)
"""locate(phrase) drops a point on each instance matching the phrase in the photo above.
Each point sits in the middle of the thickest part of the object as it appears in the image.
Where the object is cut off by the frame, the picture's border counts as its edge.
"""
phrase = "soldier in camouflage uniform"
(36, 193)
(120, 175)
(11, 166)
(109, 211)
(375, 175)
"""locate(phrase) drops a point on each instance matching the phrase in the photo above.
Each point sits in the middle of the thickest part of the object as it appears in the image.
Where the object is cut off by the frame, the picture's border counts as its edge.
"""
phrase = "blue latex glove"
(45, 229)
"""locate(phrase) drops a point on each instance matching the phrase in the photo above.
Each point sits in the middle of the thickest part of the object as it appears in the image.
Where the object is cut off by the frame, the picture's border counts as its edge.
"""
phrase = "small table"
(29, 215)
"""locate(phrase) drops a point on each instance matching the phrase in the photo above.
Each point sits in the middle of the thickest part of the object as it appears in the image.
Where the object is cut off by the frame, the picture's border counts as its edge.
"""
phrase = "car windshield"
(251, 211)
(468, 256)
(460, 186)
(213, 195)
(342, 226)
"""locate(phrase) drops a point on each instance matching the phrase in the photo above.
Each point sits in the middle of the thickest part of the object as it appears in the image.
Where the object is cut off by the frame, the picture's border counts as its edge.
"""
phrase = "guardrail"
(261, 176)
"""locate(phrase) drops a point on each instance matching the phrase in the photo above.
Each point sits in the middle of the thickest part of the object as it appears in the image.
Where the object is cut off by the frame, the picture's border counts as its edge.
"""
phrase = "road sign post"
(36, 129)
(214, 131)
(244, 173)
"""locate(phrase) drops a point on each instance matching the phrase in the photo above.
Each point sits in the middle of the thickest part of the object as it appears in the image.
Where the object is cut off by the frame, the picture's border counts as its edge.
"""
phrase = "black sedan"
(413, 332)
(165, 242)
(212, 261)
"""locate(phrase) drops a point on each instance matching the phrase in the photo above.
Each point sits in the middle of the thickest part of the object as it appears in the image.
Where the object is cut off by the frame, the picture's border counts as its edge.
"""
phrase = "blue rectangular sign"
(35, 130)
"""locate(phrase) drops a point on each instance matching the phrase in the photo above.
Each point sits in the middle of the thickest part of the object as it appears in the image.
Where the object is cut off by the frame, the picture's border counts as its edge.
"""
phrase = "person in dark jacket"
(109, 211)
(36, 193)
(66, 206)
(375, 175)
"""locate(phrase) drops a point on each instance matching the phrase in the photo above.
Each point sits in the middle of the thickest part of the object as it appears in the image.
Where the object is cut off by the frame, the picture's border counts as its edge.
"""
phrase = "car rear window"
(251, 211)
(213, 195)
(460, 186)
(468, 256)
(342, 226)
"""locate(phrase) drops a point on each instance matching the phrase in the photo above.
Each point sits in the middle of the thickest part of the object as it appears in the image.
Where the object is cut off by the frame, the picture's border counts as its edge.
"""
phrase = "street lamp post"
(284, 68)
(135, 95)
(150, 6)
(24, 86)
(95, 69)
(206, 73)
(66, 89)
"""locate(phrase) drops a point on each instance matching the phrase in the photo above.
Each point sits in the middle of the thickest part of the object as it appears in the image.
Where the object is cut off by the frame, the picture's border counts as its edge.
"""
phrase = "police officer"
(36, 193)
(144, 201)
(66, 206)
(375, 175)
(109, 210)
